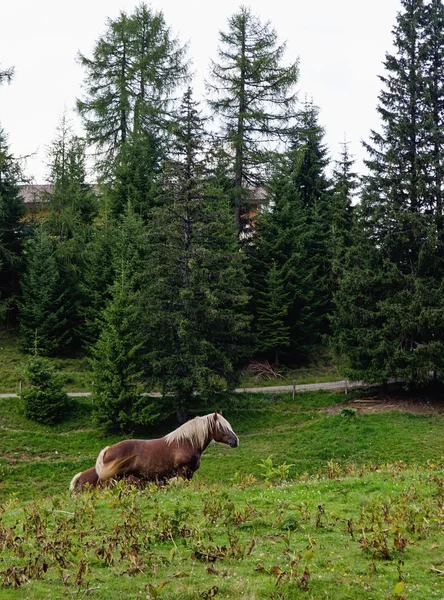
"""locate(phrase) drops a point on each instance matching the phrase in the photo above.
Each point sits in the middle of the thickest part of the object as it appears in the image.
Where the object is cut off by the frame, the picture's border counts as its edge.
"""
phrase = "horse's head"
(222, 431)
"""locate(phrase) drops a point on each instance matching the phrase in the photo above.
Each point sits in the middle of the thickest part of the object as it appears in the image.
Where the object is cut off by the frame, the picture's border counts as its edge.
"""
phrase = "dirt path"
(398, 401)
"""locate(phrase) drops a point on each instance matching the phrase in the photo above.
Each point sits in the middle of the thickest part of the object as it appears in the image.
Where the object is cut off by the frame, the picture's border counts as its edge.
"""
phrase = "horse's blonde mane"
(196, 430)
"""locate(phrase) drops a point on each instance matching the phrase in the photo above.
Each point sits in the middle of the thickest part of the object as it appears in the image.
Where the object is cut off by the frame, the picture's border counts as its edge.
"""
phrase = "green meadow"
(311, 505)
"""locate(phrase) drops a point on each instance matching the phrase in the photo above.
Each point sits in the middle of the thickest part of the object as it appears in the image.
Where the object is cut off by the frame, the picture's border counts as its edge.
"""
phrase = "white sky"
(341, 45)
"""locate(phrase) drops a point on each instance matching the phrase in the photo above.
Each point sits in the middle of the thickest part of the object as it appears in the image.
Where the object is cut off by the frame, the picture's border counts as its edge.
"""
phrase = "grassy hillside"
(78, 377)
(358, 514)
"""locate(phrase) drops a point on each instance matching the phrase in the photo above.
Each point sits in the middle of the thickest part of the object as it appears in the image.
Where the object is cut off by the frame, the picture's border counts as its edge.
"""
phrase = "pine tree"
(72, 202)
(12, 211)
(253, 95)
(195, 291)
(286, 236)
(391, 295)
(272, 331)
(45, 308)
(345, 184)
(114, 242)
(116, 362)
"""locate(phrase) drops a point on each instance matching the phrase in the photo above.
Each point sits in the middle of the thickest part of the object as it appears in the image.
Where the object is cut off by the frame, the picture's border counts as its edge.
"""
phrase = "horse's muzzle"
(234, 443)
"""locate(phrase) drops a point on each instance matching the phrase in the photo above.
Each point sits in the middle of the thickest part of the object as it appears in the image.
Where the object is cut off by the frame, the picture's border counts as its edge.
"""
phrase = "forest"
(219, 231)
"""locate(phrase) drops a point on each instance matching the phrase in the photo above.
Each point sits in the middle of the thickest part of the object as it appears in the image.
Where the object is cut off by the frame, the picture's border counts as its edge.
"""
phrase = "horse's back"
(128, 448)
(150, 459)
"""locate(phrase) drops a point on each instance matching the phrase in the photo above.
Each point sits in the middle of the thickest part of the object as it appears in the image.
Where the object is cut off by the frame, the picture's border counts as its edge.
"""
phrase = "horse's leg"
(133, 480)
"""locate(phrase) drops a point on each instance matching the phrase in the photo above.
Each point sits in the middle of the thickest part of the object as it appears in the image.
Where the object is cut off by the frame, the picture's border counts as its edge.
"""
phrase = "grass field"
(311, 505)
(77, 375)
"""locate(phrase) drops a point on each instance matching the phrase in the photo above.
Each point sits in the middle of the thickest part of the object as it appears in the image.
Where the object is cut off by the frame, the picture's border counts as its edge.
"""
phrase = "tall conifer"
(12, 210)
(389, 319)
(195, 290)
(253, 94)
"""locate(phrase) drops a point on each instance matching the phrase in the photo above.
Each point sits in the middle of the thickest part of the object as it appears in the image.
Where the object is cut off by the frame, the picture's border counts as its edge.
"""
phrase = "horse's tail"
(74, 482)
(107, 470)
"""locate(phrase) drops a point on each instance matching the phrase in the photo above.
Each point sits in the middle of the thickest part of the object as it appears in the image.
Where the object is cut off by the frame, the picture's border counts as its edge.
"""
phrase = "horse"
(177, 454)
(84, 478)
(90, 478)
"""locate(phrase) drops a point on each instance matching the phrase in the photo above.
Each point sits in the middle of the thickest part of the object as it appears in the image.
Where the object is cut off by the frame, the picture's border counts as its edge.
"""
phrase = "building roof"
(33, 193)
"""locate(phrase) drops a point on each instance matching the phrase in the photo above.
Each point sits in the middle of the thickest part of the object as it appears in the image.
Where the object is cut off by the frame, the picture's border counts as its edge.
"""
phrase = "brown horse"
(84, 478)
(176, 454)
(90, 478)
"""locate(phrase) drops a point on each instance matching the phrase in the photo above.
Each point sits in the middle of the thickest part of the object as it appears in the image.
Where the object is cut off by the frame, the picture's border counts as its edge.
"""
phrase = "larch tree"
(6, 75)
(252, 94)
(131, 80)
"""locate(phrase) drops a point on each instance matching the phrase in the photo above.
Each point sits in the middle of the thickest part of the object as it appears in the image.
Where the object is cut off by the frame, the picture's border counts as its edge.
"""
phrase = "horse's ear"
(219, 412)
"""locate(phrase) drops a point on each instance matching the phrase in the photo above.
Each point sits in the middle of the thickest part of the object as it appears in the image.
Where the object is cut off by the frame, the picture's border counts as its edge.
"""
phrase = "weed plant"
(312, 505)
(368, 533)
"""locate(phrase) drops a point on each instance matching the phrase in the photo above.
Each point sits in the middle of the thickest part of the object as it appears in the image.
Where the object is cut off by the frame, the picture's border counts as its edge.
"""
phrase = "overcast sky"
(341, 45)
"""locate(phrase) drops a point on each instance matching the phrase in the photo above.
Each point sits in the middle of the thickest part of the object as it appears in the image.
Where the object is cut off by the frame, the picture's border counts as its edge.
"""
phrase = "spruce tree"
(118, 355)
(286, 237)
(388, 321)
(273, 332)
(71, 200)
(345, 185)
(12, 211)
(116, 361)
(44, 398)
(195, 290)
(96, 278)
(68, 212)
(294, 232)
(253, 95)
(45, 307)
(135, 175)
(309, 159)
(114, 241)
